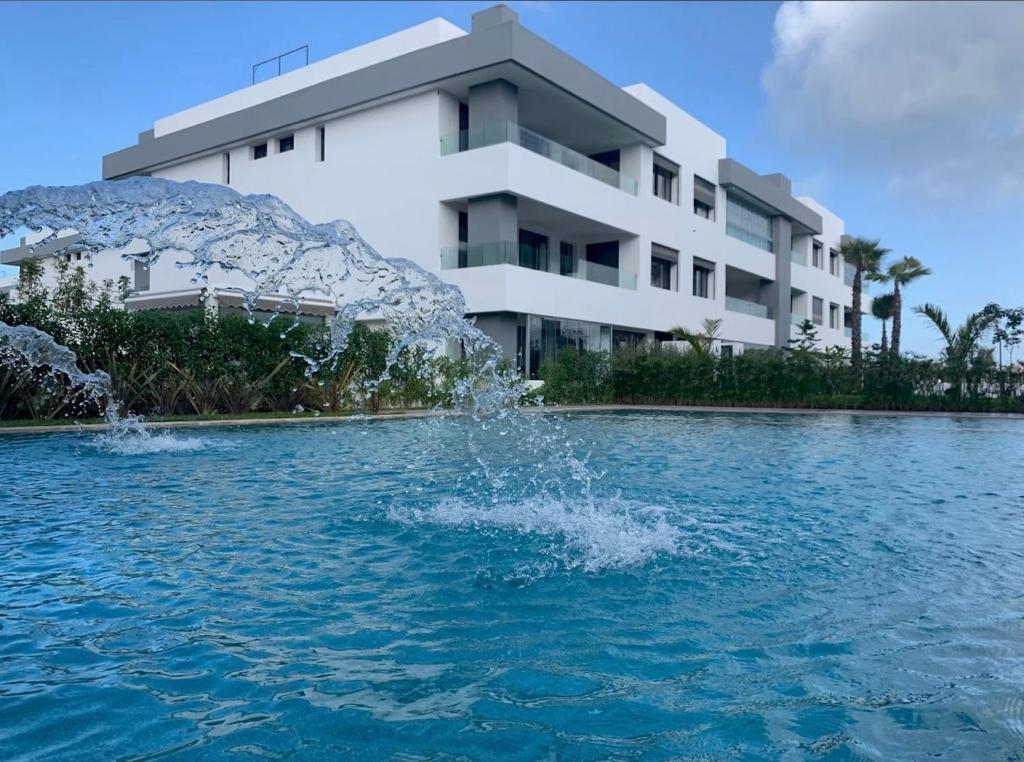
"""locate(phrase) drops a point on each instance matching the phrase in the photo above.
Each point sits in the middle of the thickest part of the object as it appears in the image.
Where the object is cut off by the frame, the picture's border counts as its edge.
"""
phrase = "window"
(259, 151)
(608, 158)
(544, 339)
(818, 255)
(703, 198)
(663, 267)
(703, 278)
(603, 262)
(726, 350)
(833, 316)
(665, 174)
(286, 143)
(321, 143)
(141, 277)
(748, 223)
(817, 305)
(566, 258)
(833, 262)
(226, 164)
(463, 239)
(533, 250)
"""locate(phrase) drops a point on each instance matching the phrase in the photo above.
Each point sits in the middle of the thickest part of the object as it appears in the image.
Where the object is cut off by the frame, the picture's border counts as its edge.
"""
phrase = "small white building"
(570, 212)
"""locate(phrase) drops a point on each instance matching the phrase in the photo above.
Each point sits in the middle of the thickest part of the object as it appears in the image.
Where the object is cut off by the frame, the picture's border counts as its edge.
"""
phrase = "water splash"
(38, 349)
(590, 534)
(34, 350)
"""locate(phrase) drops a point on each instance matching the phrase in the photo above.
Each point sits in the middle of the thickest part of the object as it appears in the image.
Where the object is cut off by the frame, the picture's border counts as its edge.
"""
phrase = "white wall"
(420, 36)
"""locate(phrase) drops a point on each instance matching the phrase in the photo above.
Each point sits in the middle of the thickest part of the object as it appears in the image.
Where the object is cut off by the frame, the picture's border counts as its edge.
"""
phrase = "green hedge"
(779, 378)
(191, 363)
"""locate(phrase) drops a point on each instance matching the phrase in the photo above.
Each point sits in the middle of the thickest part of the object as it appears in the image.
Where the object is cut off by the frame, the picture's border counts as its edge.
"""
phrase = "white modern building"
(570, 211)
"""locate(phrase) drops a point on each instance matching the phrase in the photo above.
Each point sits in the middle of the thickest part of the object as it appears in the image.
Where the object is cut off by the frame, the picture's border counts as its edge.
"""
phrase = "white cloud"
(931, 95)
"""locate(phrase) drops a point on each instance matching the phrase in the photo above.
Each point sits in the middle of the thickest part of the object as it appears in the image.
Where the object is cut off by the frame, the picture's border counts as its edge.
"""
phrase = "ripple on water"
(362, 592)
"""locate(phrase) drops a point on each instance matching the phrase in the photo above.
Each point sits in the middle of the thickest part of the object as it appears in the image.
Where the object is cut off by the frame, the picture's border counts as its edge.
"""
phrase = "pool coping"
(417, 414)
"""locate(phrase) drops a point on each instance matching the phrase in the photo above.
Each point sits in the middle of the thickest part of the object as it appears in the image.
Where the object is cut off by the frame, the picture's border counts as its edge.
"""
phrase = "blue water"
(723, 587)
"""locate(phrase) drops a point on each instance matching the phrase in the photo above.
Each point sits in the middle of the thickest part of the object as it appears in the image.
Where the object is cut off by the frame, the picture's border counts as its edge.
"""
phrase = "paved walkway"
(407, 414)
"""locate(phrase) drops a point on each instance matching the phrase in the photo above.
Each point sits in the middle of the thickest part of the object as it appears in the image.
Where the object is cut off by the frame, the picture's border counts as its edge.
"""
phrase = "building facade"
(569, 211)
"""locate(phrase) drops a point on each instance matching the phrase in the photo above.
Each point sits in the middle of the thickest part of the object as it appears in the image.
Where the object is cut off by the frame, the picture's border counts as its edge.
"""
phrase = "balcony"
(749, 308)
(518, 255)
(796, 319)
(848, 331)
(798, 258)
(848, 273)
(510, 132)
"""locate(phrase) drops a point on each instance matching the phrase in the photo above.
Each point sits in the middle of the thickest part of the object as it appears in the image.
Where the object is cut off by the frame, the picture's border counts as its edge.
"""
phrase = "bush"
(798, 377)
(189, 362)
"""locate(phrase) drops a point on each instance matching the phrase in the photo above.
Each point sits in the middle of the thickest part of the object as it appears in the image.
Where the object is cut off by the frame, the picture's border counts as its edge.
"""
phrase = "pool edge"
(417, 414)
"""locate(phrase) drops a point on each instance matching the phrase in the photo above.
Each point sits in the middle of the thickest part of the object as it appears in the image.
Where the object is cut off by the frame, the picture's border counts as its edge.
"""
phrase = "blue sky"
(835, 97)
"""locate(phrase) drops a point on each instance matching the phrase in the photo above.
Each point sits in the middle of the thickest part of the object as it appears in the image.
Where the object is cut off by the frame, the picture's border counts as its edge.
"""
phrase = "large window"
(548, 338)
(817, 307)
(663, 267)
(748, 223)
(703, 278)
(533, 250)
(703, 198)
(665, 177)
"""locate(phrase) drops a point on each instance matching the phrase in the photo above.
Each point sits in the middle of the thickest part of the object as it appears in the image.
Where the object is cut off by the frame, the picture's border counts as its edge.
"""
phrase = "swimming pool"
(713, 586)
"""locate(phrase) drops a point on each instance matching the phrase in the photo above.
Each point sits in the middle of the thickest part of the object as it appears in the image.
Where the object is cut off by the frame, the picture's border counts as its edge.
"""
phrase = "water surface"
(707, 586)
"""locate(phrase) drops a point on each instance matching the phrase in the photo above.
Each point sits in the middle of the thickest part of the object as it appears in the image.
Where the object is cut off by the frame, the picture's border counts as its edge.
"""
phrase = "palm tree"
(866, 257)
(881, 308)
(701, 343)
(900, 274)
(961, 344)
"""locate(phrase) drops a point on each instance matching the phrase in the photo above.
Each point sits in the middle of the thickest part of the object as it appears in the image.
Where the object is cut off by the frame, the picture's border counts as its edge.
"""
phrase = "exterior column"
(492, 106)
(493, 235)
(782, 243)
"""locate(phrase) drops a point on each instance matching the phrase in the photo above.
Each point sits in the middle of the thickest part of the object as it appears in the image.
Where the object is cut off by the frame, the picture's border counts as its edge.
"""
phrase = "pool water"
(620, 586)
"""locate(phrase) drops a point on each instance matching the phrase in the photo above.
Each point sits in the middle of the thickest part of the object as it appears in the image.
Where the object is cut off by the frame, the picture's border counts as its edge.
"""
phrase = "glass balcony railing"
(798, 257)
(848, 331)
(796, 319)
(512, 253)
(510, 132)
(750, 308)
(848, 272)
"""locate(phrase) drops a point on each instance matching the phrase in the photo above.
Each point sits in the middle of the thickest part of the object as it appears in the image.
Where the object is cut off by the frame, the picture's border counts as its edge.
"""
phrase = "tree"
(30, 280)
(807, 338)
(1007, 328)
(900, 274)
(962, 348)
(866, 257)
(881, 308)
(701, 343)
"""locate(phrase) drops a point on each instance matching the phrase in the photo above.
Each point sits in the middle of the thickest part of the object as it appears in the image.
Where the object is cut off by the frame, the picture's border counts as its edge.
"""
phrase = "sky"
(906, 119)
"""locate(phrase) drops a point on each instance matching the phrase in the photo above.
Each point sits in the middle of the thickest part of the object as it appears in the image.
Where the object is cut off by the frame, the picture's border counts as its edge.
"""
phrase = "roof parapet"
(774, 191)
(494, 16)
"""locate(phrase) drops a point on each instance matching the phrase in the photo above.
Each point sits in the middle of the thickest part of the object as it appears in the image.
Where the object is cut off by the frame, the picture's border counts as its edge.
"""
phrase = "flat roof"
(498, 47)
